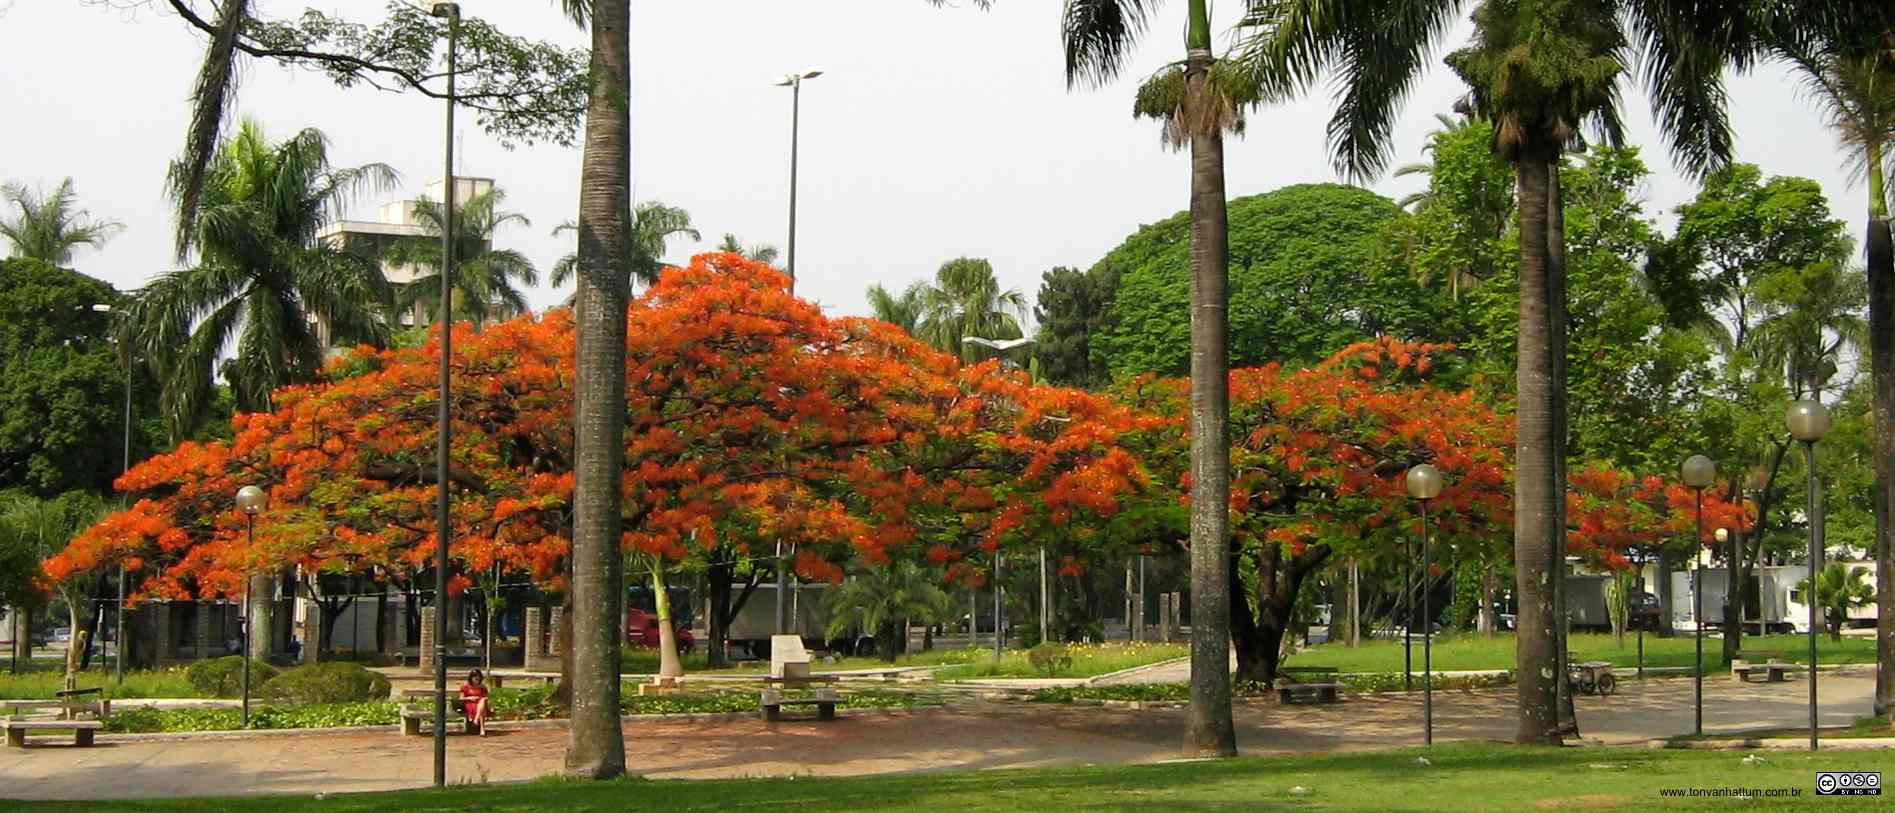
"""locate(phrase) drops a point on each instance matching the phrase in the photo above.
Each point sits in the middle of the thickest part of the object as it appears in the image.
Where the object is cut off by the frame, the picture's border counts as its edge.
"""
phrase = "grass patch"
(1461, 777)
(1088, 660)
(1464, 652)
(39, 683)
(1146, 692)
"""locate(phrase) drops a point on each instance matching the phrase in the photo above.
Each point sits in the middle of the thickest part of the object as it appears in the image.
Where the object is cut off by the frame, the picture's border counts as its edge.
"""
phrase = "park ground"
(968, 739)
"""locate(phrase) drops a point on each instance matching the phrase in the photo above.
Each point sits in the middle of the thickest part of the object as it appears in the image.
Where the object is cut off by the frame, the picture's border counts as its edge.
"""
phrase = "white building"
(397, 222)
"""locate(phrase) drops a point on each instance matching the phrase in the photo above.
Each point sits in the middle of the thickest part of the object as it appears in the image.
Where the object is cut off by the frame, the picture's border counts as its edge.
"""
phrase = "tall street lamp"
(794, 82)
(125, 465)
(452, 13)
(1808, 422)
(1424, 484)
(250, 500)
(1699, 472)
(1004, 346)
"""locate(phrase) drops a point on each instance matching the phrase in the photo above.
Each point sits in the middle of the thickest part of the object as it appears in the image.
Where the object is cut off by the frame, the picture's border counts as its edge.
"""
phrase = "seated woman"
(474, 700)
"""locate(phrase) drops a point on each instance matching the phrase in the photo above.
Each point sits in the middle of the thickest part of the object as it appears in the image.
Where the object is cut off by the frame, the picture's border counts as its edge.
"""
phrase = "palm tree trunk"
(1210, 732)
(596, 748)
(1556, 308)
(1881, 272)
(1535, 527)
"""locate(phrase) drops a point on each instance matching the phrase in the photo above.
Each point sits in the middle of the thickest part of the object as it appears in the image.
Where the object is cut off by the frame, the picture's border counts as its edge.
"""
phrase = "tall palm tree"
(1849, 73)
(901, 310)
(1540, 70)
(653, 226)
(484, 277)
(761, 252)
(1199, 99)
(595, 748)
(965, 300)
(262, 281)
(49, 227)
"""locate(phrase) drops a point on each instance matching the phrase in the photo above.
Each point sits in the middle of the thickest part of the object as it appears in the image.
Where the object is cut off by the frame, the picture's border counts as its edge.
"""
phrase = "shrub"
(1050, 659)
(223, 677)
(330, 682)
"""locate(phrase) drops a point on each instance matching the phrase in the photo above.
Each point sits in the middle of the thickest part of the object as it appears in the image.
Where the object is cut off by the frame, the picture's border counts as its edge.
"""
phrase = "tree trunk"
(668, 663)
(717, 624)
(1210, 731)
(262, 617)
(1556, 308)
(1664, 593)
(381, 620)
(1536, 531)
(1489, 590)
(75, 643)
(23, 637)
(101, 590)
(1355, 603)
(1881, 272)
(596, 747)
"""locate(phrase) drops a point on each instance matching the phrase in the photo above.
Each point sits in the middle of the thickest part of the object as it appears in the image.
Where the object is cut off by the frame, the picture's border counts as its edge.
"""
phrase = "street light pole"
(1808, 422)
(1424, 483)
(999, 637)
(1698, 472)
(452, 12)
(250, 500)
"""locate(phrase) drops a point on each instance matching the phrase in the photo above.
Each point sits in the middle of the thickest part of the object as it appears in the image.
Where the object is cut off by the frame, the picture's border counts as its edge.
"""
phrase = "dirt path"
(969, 737)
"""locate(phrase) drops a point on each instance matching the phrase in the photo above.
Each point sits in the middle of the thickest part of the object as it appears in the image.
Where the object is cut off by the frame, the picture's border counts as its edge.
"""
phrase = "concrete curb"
(1775, 744)
(497, 725)
(1096, 679)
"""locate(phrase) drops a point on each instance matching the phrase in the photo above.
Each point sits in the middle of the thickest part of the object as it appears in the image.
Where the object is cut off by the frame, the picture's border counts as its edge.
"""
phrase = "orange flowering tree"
(750, 417)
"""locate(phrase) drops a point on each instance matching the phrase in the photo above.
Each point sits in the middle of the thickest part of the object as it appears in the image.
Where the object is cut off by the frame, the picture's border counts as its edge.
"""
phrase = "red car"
(641, 629)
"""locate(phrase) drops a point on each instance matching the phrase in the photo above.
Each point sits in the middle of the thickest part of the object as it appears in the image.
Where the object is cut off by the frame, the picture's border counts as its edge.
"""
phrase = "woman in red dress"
(474, 700)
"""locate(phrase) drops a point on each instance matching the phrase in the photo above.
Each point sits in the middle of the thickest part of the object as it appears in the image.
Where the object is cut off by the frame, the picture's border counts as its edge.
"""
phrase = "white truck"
(1780, 603)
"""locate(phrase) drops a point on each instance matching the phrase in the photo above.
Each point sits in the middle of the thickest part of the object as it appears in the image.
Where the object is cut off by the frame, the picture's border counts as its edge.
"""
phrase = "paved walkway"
(969, 737)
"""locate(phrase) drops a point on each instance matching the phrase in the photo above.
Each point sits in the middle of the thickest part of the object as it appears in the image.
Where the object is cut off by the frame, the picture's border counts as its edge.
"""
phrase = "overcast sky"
(936, 133)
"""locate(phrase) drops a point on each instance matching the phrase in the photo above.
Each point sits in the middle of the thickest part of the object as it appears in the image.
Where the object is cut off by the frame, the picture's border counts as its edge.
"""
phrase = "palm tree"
(596, 746)
(965, 300)
(50, 226)
(653, 226)
(1199, 99)
(484, 277)
(882, 601)
(263, 281)
(1450, 127)
(1812, 317)
(761, 252)
(904, 310)
(1839, 589)
(1539, 70)
(1849, 72)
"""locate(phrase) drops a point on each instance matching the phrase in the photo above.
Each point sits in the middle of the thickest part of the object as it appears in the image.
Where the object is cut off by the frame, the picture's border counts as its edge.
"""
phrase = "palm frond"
(210, 103)
(1099, 36)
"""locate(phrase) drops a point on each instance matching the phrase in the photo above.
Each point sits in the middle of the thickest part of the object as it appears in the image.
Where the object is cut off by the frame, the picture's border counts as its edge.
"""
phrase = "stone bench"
(82, 730)
(825, 702)
(1317, 692)
(1774, 671)
(412, 716)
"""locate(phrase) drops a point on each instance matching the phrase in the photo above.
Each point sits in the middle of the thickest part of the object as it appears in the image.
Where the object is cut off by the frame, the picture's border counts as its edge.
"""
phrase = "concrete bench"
(1774, 671)
(67, 709)
(1317, 692)
(497, 678)
(788, 658)
(825, 702)
(82, 730)
(412, 716)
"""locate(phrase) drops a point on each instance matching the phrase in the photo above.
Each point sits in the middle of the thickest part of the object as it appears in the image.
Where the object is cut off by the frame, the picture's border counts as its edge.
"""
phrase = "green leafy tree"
(902, 310)
(1312, 270)
(1839, 589)
(485, 278)
(1457, 237)
(62, 383)
(44, 525)
(263, 285)
(1073, 306)
(654, 225)
(966, 300)
(49, 226)
(882, 600)
(1540, 71)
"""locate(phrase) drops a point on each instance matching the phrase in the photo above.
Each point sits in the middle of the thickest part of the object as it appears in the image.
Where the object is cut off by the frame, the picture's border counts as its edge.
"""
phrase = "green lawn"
(1468, 651)
(42, 680)
(1461, 777)
(1089, 660)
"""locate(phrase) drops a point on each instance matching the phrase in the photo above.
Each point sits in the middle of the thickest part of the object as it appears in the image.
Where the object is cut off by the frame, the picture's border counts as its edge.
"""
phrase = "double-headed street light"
(1808, 421)
(125, 465)
(250, 500)
(1424, 483)
(794, 82)
(1699, 473)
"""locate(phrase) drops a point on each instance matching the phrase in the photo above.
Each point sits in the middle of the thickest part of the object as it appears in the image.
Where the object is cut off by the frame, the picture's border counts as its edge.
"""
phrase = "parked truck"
(1779, 605)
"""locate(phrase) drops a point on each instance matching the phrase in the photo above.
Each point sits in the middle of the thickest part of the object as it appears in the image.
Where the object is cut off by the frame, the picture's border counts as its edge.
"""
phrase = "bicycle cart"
(1591, 677)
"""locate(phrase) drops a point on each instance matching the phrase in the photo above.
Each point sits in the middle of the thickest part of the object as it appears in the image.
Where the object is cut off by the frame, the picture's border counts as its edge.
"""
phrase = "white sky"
(935, 133)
